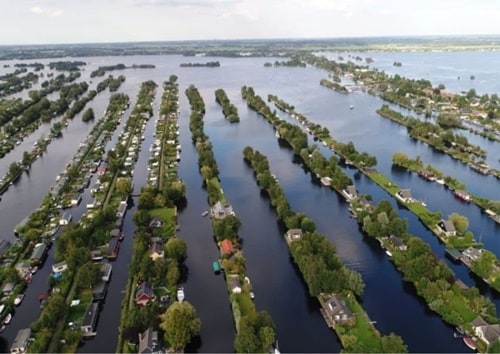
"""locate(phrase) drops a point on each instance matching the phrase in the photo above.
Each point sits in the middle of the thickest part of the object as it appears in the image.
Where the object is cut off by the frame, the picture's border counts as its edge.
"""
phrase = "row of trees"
(348, 151)
(432, 278)
(73, 246)
(178, 320)
(316, 257)
(230, 111)
(455, 145)
(255, 330)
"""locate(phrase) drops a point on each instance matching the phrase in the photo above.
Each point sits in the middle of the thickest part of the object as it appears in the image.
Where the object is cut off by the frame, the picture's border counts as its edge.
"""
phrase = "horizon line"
(424, 36)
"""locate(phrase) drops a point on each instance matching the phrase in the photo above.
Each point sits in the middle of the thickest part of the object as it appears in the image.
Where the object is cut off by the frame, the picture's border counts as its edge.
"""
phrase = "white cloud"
(37, 10)
(243, 10)
(51, 13)
(57, 13)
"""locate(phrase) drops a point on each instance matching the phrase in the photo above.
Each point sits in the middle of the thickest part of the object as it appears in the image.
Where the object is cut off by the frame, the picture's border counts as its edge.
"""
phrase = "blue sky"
(76, 21)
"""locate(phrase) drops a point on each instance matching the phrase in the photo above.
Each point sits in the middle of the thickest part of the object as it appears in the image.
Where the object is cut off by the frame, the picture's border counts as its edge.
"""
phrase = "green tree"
(460, 222)
(176, 248)
(393, 344)
(123, 185)
(180, 324)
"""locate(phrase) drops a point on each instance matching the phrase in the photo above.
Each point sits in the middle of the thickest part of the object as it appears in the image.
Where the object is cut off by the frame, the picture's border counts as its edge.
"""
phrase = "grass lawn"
(459, 305)
(164, 214)
(363, 330)
(76, 313)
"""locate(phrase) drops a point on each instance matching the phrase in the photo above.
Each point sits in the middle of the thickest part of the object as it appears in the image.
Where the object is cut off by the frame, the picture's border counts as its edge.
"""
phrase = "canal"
(278, 285)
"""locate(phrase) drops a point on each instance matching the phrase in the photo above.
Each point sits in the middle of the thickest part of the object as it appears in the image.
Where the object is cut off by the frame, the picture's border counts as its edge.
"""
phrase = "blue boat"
(216, 267)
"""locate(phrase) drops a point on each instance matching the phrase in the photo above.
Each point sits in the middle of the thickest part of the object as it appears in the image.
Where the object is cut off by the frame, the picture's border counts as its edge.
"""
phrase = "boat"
(469, 341)
(351, 107)
(387, 252)
(205, 213)
(7, 318)
(2, 328)
(440, 181)
(216, 267)
(19, 298)
(462, 196)
(252, 295)
(180, 294)
(459, 330)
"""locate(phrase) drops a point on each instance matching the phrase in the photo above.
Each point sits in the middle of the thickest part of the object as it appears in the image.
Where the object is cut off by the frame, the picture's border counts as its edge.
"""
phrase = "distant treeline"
(210, 64)
(102, 69)
(67, 65)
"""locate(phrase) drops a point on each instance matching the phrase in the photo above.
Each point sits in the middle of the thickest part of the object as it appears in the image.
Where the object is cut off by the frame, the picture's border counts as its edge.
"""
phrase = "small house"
(488, 333)
(226, 247)
(350, 192)
(156, 249)
(90, 320)
(336, 310)
(471, 254)
(155, 223)
(59, 267)
(293, 235)
(326, 181)
(404, 195)
(220, 211)
(398, 243)
(148, 341)
(144, 294)
(447, 227)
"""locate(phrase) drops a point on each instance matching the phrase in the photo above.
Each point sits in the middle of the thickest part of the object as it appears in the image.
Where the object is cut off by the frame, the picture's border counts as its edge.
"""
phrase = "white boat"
(440, 181)
(352, 107)
(252, 295)
(205, 213)
(19, 298)
(387, 252)
(7, 318)
(180, 294)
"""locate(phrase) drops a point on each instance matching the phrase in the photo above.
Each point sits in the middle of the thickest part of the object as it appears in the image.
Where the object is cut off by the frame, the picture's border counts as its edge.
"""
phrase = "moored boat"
(19, 298)
(7, 318)
(469, 341)
(180, 294)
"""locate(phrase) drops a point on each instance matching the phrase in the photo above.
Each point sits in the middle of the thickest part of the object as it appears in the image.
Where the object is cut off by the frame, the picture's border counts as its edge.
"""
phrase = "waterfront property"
(144, 294)
(350, 192)
(335, 310)
(398, 243)
(447, 227)
(156, 248)
(59, 267)
(488, 333)
(220, 211)
(226, 247)
(148, 341)
(326, 181)
(293, 235)
(405, 196)
(471, 254)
